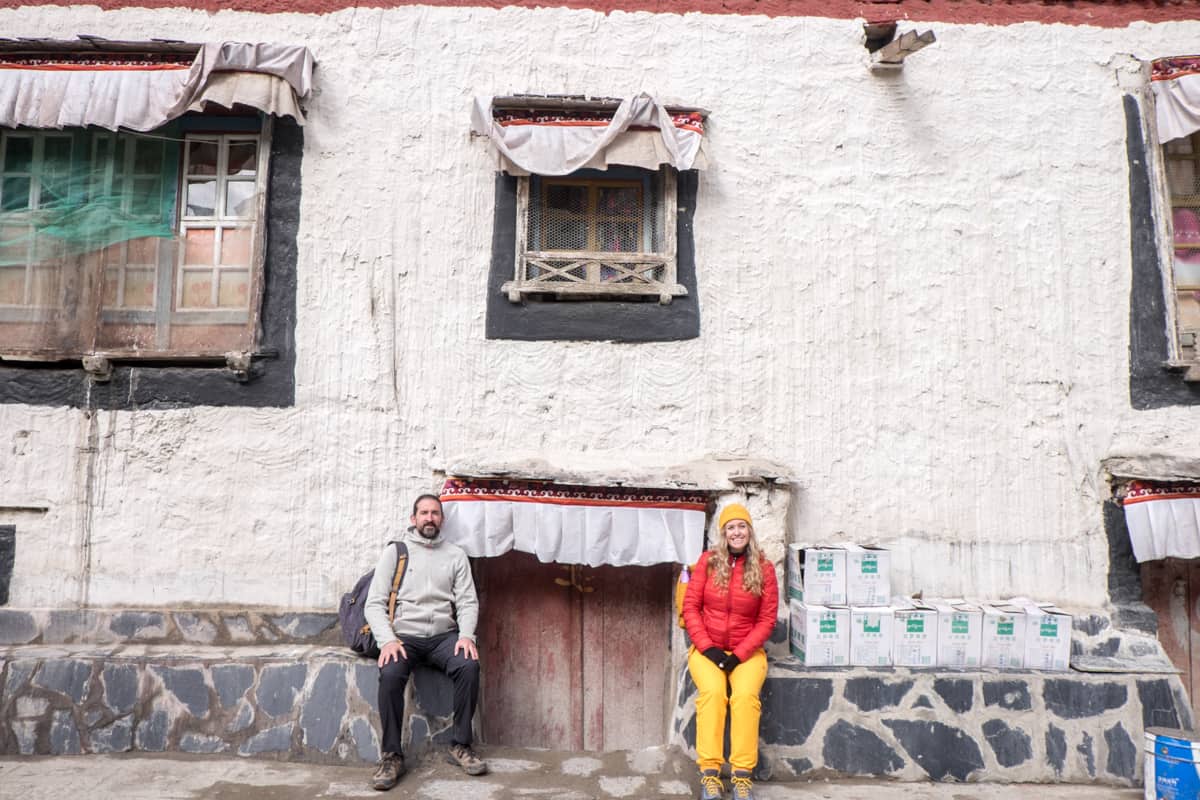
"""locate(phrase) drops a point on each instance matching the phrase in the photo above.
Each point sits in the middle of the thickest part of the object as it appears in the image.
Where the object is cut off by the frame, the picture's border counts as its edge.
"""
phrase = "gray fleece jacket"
(437, 595)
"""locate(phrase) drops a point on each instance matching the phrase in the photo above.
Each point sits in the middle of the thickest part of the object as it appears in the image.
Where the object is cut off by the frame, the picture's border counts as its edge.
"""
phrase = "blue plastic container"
(1172, 770)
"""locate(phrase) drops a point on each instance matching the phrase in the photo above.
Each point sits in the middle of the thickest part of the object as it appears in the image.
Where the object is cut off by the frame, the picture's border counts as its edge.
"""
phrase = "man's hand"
(467, 647)
(392, 651)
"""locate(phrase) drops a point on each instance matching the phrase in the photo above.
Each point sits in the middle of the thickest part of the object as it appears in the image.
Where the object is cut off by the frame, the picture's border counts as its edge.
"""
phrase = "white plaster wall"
(913, 288)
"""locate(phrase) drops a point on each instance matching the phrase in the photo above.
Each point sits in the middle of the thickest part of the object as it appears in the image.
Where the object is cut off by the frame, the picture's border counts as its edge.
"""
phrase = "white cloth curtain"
(563, 149)
(272, 78)
(1177, 106)
(1164, 527)
(576, 534)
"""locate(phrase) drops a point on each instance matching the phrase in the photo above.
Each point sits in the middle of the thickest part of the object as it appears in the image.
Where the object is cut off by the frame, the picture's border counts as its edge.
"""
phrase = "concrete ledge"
(288, 702)
(201, 626)
(991, 725)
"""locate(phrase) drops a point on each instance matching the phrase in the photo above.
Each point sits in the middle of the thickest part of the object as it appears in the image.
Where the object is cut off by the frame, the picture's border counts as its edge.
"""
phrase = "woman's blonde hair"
(752, 572)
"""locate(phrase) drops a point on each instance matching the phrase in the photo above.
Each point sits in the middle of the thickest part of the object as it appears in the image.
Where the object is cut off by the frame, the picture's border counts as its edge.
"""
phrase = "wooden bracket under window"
(239, 363)
(98, 367)
(889, 51)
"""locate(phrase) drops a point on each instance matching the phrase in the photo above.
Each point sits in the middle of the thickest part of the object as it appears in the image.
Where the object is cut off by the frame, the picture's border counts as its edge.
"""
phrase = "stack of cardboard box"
(840, 615)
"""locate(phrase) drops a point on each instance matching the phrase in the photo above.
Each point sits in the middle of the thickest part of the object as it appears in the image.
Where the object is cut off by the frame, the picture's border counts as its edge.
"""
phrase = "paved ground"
(515, 775)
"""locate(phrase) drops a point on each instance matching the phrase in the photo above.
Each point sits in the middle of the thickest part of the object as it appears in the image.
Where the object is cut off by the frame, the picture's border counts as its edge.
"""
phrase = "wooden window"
(132, 245)
(1182, 157)
(596, 235)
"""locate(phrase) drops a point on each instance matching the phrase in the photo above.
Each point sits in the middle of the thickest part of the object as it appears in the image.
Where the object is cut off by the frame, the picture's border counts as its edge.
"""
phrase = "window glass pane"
(198, 246)
(622, 200)
(18, 154)
(243, 158)
(234, 289)
(564, 233)
(146, 197)
(1181, 177)
(201, 198)
(12, 286)
(148, 156)
(235, 246)
(197, 289)
(139, 288)
(202, 158)
(567, 198)
(109, 293)
(1180, 146)
(43, 287)
(143, 251)
(239, 199)
(1189, 311)
(14, 245)
(14, 194)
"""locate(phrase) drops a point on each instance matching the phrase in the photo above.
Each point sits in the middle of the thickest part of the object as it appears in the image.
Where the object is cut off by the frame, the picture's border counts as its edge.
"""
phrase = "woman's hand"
(716, 655)
(731, 662)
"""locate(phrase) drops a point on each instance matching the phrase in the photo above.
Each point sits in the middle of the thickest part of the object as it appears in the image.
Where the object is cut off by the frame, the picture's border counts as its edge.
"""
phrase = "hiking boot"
(710, 785)
(743, 787)
(464, 756)
(388, 772)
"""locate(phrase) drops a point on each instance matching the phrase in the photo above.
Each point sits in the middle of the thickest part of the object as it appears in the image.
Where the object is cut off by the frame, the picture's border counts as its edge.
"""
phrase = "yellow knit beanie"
(731, 512)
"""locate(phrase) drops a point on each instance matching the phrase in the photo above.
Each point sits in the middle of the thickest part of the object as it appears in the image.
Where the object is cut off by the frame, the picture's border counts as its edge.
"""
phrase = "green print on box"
(870, 565)
(960, 625)
(828, 625)
(1004, 628)
(1049, 628)
(869, 628)
(915, 625)
(824, 563)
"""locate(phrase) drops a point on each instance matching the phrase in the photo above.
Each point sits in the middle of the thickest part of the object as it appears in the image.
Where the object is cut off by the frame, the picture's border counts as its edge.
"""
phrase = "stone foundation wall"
(943, 725)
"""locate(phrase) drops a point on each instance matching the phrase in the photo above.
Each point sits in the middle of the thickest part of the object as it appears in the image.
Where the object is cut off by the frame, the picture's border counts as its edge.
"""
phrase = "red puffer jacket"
(732, 620)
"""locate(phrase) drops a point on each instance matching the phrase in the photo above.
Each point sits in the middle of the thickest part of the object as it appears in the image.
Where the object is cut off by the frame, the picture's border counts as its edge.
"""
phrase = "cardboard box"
(1047, 638)
(819, 635)
(960, 633)
(817, 574)
(868, 576)
(871, 636)
(1003, 636)
(914, 643)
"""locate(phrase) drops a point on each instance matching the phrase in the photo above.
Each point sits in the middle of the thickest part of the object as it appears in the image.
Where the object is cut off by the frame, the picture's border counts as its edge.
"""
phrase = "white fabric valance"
(640, 133)
(562, 524)
(1176, 86)
(1163, 520)
(271, 78)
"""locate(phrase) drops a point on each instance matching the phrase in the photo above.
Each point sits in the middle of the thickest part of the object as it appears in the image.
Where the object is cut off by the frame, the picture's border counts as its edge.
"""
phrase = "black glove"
(731, 661)
(716, 655)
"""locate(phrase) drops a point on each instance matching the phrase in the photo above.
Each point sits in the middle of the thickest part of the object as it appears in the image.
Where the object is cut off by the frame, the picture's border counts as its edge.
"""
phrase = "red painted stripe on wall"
(1100, 13)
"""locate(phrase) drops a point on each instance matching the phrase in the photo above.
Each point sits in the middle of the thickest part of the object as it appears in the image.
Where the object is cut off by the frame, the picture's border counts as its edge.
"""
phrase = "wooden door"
(1171, 587)
(574, 658)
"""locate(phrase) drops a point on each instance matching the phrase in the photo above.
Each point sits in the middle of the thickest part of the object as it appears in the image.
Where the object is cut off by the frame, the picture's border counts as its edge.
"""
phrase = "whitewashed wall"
(914, 293)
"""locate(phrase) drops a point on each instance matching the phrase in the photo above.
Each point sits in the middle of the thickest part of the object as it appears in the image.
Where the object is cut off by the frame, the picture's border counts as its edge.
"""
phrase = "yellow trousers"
(737, 692)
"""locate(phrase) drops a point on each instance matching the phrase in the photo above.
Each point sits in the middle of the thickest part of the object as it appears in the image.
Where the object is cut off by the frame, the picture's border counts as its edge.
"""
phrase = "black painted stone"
(8, 558)
(687, 688)
(151, 732)
(1158, 704)
(1056, 749)
(120, 687)
(188, 685)
(18, 676)
(366, 678)
(365, 742)
(799, 765)
(64, 736)
(1072, 699)
(65, 675)
(272, 740)
(1091, 625)
(303, 626)
(231, 682)
(1122, 752)
(325, 707)
(779, 635)
(115, 738)
(858, 751)
(1108, 647)
(940, 750)
(433, 690)
(1011, 745)
(17, 627)
(1085, 749)
(195, 628)
(198, 743)
(791, 708)
(138, 625)
(872, 694)
(245, 716)
(957, 693)
(68, 626)
(418, 733)
(1013, 695)
(278, 686)
(923, 702)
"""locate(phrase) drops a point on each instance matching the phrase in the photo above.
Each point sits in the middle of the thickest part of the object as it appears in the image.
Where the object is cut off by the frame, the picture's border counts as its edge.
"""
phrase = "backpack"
(356, 633)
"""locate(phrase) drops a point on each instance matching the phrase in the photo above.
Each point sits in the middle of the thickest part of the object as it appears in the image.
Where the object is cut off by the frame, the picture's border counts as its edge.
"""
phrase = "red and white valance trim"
(641, 132)
(1175, 82)
(127, 94)
(568, 524)
(1163, 520)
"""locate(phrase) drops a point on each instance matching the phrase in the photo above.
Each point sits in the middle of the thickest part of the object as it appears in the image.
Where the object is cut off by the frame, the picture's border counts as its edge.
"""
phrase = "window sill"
(665, 292)
(1190, 370)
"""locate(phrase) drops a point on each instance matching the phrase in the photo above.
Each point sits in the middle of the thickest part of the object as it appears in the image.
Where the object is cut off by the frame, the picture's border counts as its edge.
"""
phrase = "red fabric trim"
(1145, 491)
(1168, 69)
(493, 489)
(84, 67)
(561, 501)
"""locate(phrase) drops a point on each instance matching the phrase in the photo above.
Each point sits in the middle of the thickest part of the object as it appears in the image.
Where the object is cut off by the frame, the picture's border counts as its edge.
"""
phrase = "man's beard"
(429, 531)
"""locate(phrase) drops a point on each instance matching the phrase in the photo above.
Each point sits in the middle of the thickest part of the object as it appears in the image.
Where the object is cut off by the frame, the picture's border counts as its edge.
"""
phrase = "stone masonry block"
(958, 694)
(1013, 695)
(1012, 746)
(872, 694)
(1158, 704)
(65, 675)
(857, 751)
(940, 750)
(64, 736)
(120, 687)
(272, 740)
(1056, 749)
(278, 686)
(115, 738)
(187, 684)
(1122, 752)
(325, 707)
(231, 682)
(138, 625)
(791, 708)
(366, 678)
(17, 627)
(1071, 699)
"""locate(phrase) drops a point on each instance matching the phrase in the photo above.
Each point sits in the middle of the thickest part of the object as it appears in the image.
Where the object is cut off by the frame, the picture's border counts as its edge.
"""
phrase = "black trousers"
(437, 652)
